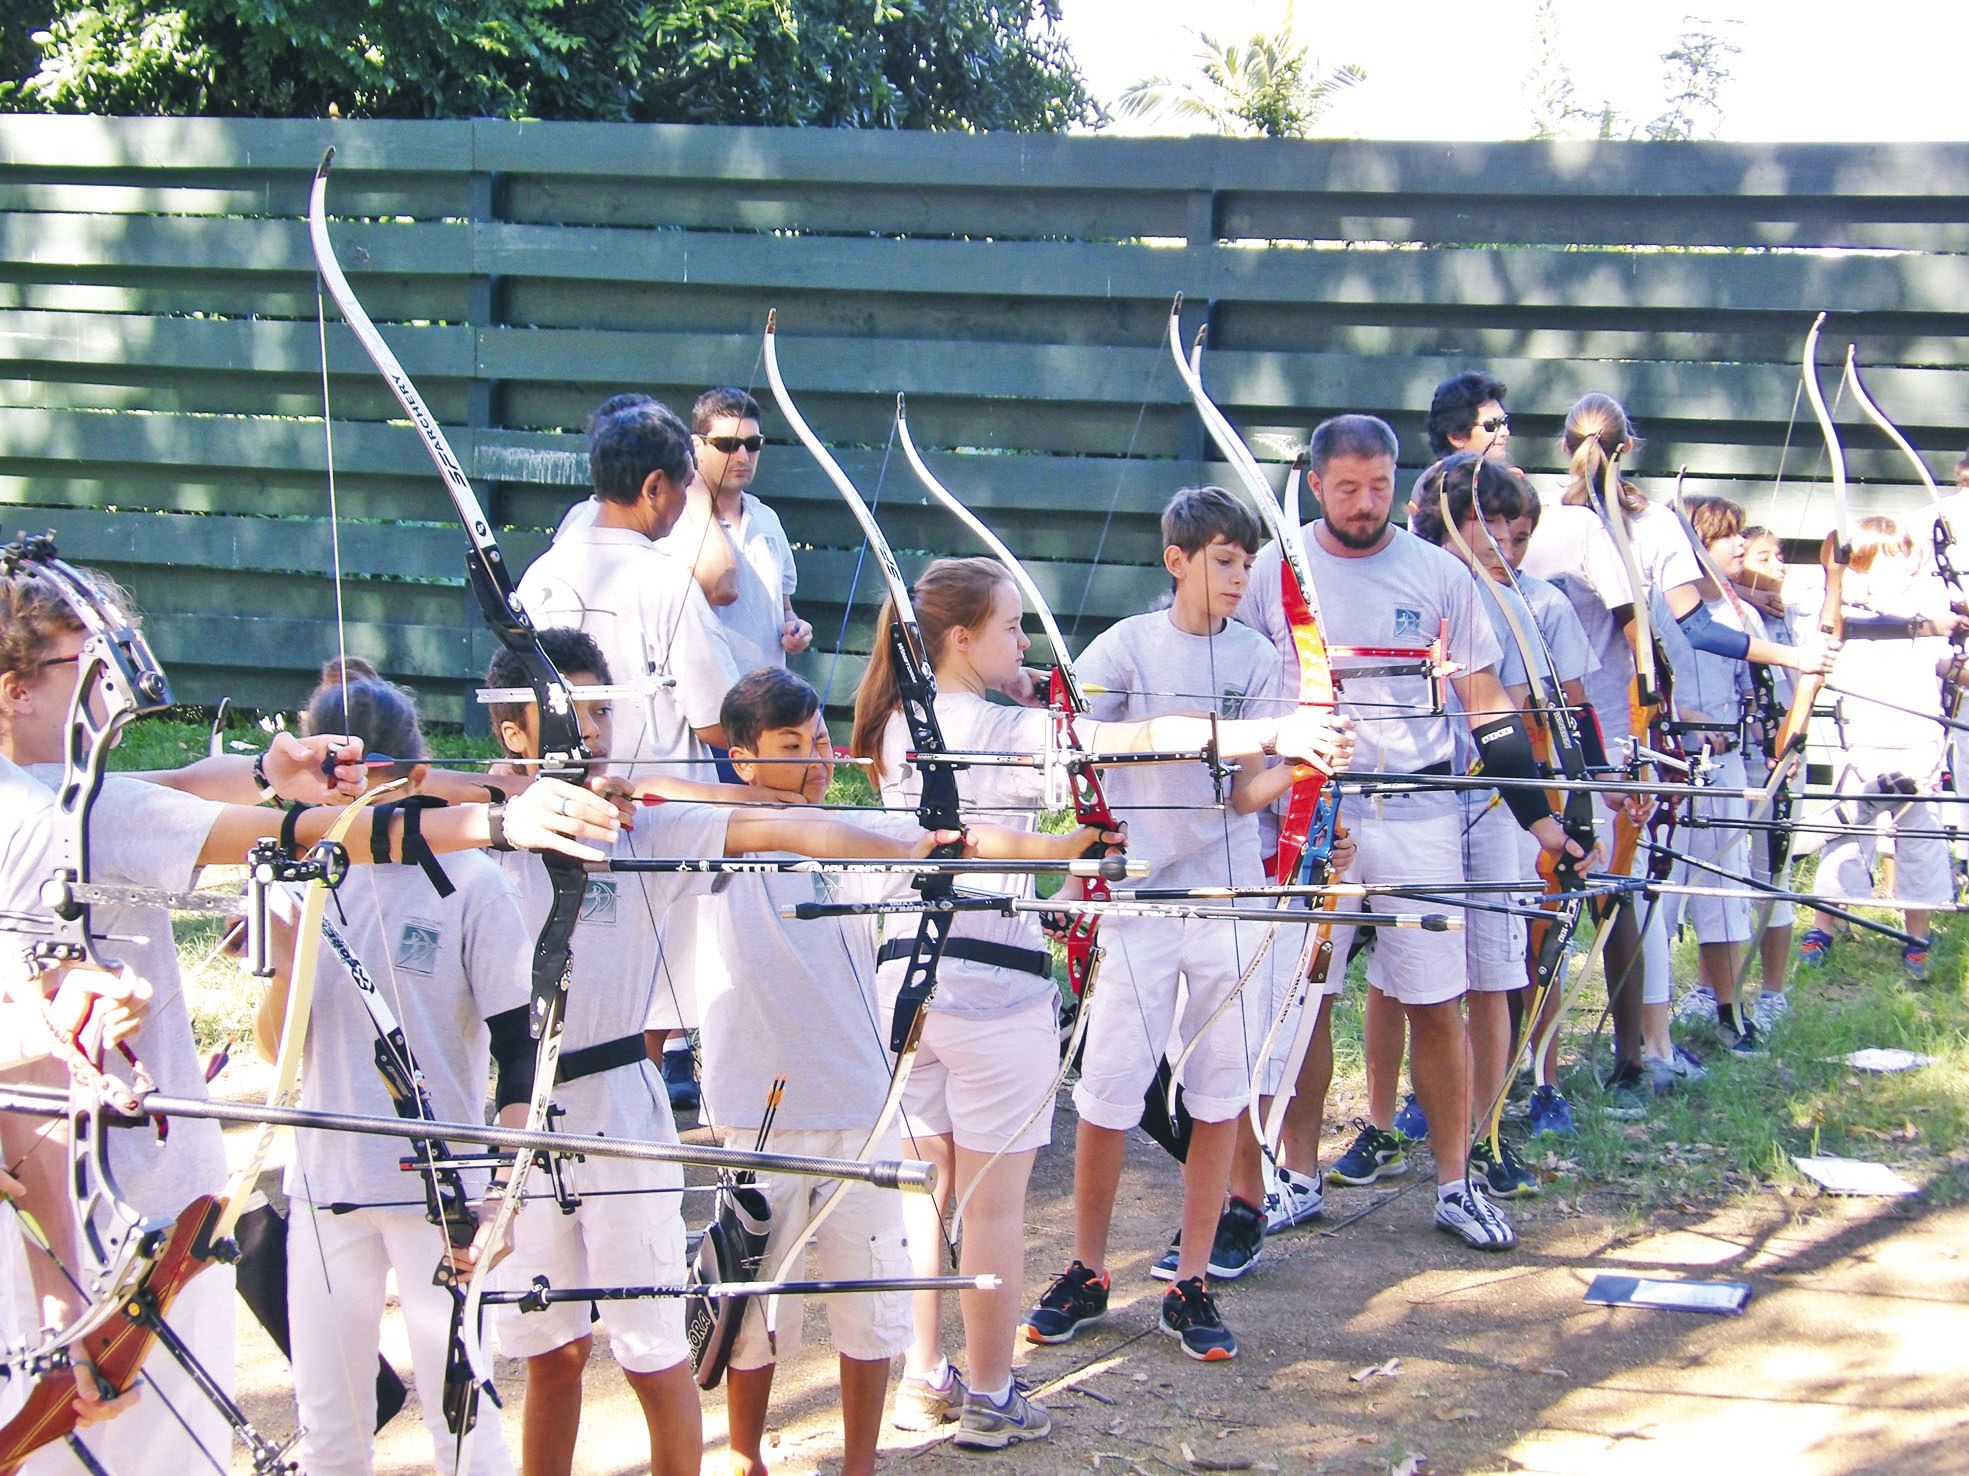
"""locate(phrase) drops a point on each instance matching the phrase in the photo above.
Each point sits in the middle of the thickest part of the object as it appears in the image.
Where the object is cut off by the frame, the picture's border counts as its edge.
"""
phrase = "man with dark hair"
(732, 542)
(607, 575)
(1378, 585)
(1463, 405)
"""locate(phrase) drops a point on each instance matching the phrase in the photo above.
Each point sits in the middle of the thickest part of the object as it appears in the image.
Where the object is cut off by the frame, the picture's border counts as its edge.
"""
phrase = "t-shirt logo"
(417, 947)
(598, 902)
(825, 889)
(1231, 705)
(1407, 622)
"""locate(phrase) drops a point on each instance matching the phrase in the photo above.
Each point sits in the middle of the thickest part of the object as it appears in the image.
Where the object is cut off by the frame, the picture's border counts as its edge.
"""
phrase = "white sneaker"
(1291, 1199)
(1473, 1219)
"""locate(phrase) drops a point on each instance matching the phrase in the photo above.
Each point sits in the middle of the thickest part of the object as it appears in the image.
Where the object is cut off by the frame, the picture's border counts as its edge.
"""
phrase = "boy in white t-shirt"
(1167, 979)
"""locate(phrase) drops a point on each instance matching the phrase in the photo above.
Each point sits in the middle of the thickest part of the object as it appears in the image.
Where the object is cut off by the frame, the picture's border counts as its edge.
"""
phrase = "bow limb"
(1090, 804)
(1944, 539)
(937, 808)
(1834, 554)
(1309, 801)
(560, 746)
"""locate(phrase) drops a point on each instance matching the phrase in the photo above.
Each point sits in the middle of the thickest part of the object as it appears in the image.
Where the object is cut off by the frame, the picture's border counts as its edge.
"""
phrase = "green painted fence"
(162, 380)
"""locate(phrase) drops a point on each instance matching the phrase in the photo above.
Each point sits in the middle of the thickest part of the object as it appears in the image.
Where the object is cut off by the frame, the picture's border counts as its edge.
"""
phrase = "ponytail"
(950, 594)
(1597, 429)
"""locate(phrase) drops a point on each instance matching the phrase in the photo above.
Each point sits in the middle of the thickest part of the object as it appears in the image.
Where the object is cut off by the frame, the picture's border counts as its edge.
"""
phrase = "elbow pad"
(1505, 748)
(513, 1055)
(1706, 634)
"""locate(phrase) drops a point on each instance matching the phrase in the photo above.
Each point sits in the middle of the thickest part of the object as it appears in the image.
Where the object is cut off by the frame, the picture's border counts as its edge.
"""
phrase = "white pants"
(150, 1439)
(338, 1267)
(1922, 875)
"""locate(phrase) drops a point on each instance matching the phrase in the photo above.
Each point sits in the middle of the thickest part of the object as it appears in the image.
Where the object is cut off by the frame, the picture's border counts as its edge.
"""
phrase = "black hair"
(354, 698)
(625, 447)
(569, 649)
(762, 700)
(1453, 408)
(716, 404)
(627, 400)
(1196, 516)
(1365, 436)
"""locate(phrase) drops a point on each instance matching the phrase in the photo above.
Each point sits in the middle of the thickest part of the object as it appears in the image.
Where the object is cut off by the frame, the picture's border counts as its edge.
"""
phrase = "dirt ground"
(1374, 1344)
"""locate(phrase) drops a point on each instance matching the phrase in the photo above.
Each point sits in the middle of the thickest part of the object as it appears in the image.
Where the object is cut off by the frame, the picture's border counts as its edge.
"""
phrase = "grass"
(1731, 1135)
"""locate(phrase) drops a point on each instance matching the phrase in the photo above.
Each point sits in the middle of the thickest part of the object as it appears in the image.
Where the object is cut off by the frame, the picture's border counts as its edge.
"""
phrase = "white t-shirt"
(800, 999)
(146, 835)
(1712, 685)
(27, 860)
(614, 950)
(651, 620)
(766, 580)
(443, 966)
(1510, 671)
(1150, 667)
(1879, 738)
(1400, 595)
(998, 795)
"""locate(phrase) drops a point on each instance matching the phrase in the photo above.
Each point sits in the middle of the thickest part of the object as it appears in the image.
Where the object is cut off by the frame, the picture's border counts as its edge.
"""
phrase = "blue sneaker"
(1411, 1122)
(1372, 1155)
(1549, 1112)
(986, 1424)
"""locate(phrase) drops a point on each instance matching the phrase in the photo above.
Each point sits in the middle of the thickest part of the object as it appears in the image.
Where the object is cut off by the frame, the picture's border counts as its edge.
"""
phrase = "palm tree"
(1270, 87)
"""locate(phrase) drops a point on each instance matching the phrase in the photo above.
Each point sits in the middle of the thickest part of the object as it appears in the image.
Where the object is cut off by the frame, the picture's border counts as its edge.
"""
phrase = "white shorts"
(1160, 981)
(614, 1238)
(1715, 919)
(976, 1077)
(1411, 840)
(1493, 942)
(1922, 873)
(1781, 914)
(863, 1237)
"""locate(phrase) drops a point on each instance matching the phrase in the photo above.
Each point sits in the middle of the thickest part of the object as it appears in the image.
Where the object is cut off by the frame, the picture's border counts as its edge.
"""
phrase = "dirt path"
(1849, 1358)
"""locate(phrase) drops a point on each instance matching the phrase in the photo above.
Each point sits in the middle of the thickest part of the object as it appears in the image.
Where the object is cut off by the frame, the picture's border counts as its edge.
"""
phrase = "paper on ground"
(1854, 1176)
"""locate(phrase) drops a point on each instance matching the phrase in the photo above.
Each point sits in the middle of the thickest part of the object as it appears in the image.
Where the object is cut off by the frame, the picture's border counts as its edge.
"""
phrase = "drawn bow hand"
(1321, 739)
(1551, 836)
(553, 815)
(1816, 653)
(301, 768)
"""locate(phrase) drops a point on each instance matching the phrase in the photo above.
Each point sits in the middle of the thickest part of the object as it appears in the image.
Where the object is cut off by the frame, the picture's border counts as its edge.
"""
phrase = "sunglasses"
(729, 444)
(1495, 424)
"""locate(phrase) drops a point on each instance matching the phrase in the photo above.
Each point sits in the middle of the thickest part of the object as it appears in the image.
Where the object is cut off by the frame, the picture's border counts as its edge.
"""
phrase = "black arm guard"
(513, 1055)
(1505, 750)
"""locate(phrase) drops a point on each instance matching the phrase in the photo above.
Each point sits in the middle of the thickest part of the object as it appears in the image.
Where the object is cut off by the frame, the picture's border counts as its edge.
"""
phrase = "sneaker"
(1914, 958)
(680, 1079)
(989, 1425)
(1740, 1040)
(924, 1404)
(1165, 1268)
(1628, 1093)
(1772, 1008)
(1239, 1242)
(1687, 1066)
(1295, 1200)
(1698, 1004)
(1660, 1074)
(1505, 1174)
(1189, 1314)
(1374, 1152)
(1411, 1122)
(1077, 1298)
(1473, 1219)
(1549, 1112)
(1814, 948)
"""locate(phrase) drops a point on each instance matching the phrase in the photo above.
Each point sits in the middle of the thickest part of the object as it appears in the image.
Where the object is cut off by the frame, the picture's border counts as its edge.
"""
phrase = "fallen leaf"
(1456, 1416)
(1391, 1369)
(1552, 1373)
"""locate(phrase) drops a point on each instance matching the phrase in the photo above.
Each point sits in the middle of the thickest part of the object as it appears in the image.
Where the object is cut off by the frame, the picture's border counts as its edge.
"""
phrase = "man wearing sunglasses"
(733, 542)
(1467, 414)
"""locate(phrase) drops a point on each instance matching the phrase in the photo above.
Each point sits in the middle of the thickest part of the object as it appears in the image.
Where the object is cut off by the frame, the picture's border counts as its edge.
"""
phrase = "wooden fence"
(162, 396)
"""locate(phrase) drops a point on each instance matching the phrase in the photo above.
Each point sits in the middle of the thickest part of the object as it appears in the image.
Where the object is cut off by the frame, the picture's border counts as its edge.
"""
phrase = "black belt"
(610, 1055)
(977, 950)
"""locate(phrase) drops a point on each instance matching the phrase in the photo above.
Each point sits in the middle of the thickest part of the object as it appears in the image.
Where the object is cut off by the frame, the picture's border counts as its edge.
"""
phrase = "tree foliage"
(1271, 86)
(1695, 70)
(960, 64)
